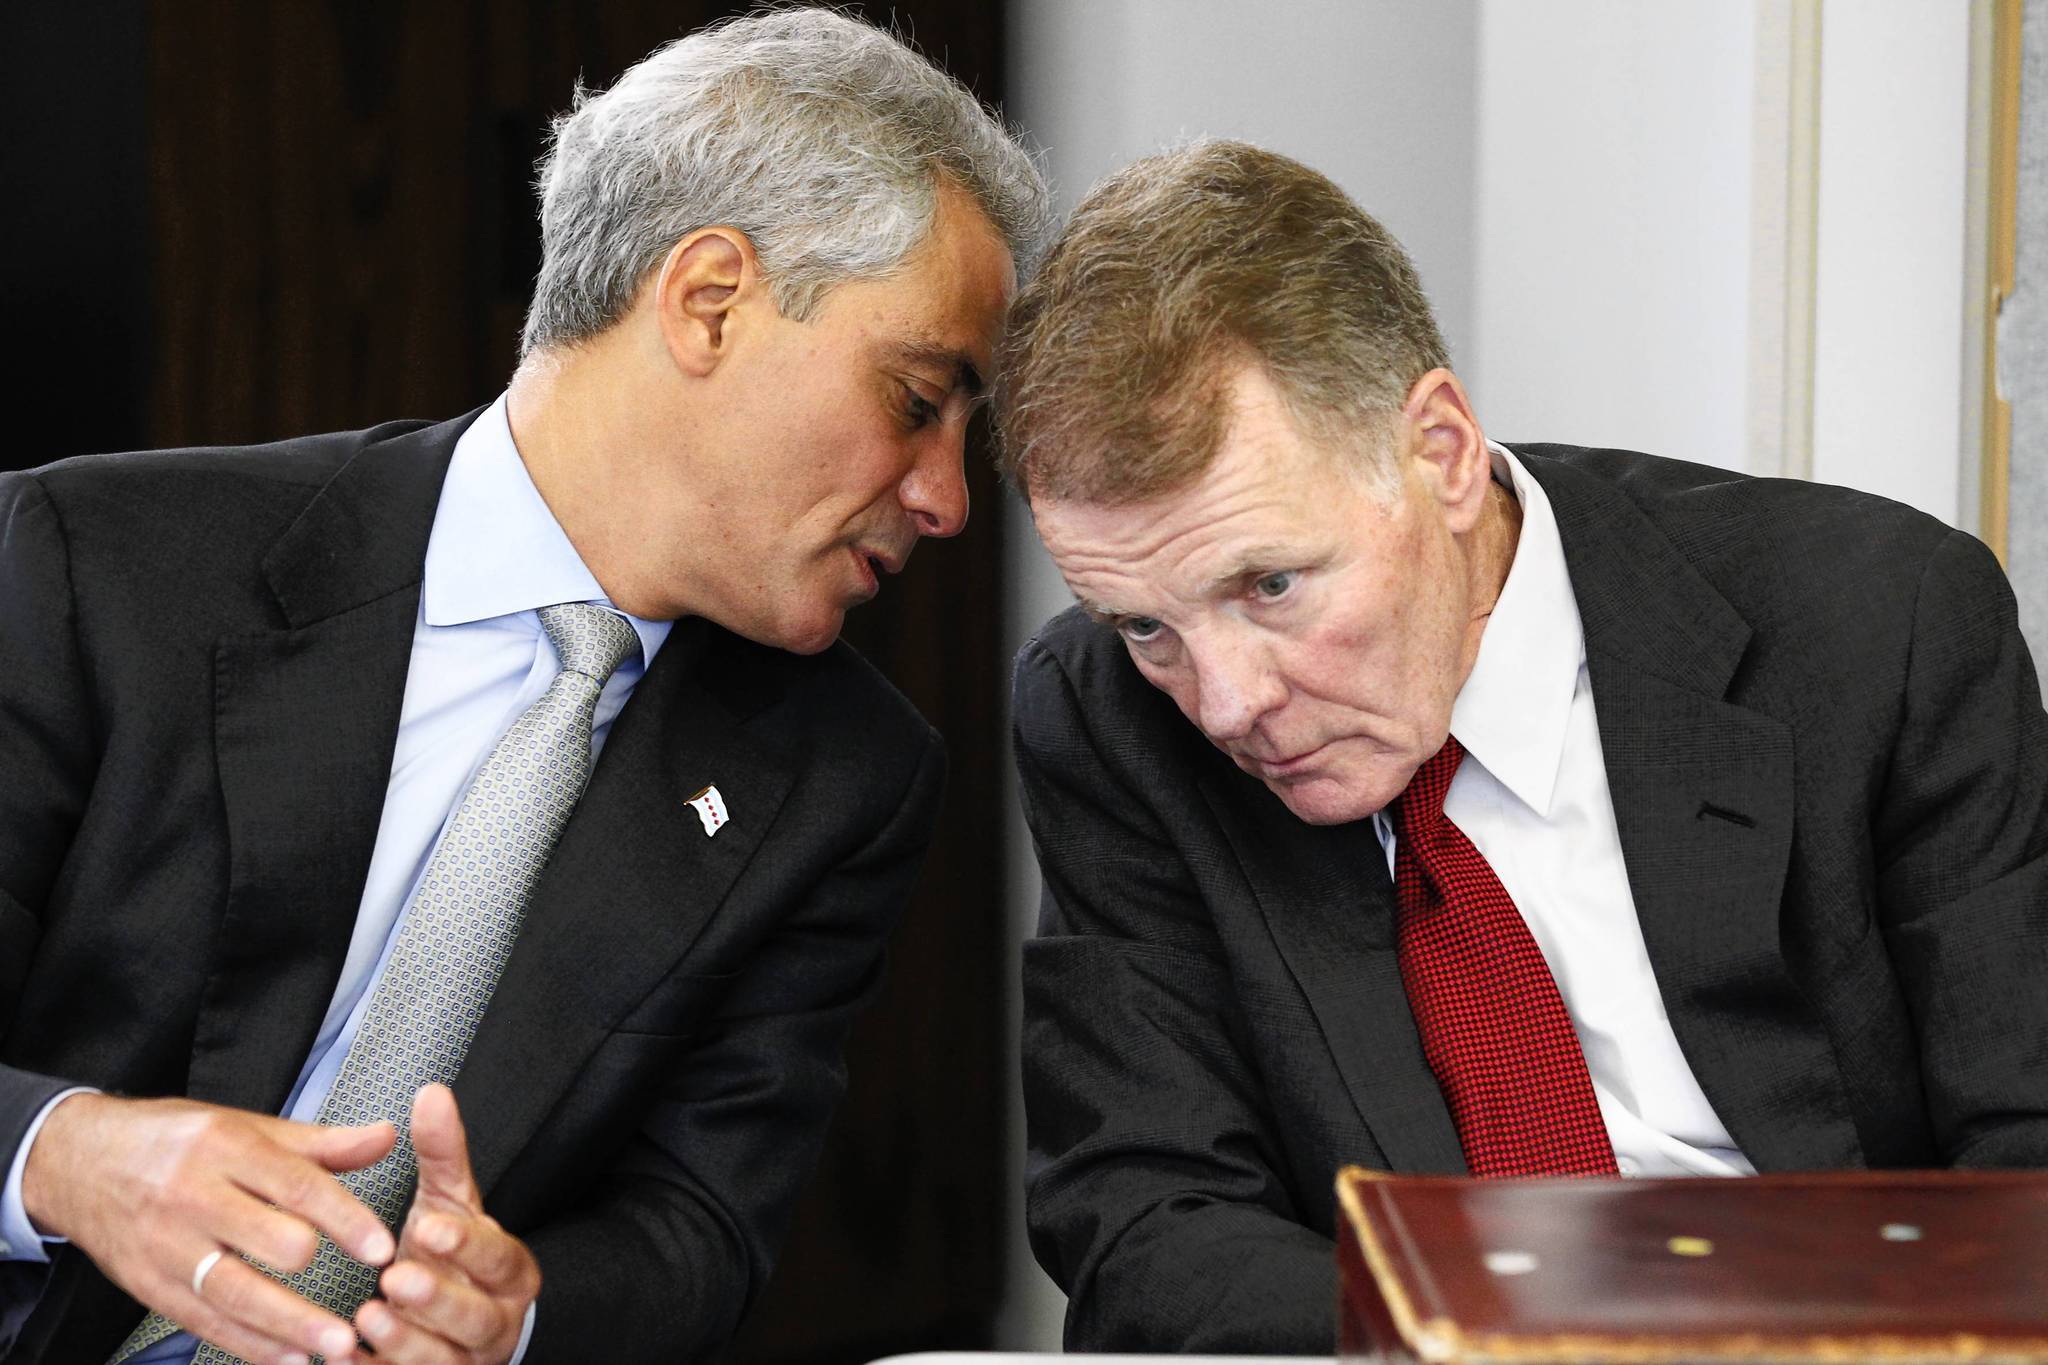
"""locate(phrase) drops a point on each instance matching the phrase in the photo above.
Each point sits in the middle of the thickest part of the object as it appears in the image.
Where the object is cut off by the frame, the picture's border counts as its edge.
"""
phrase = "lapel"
(633, 881)
(1703, 800)
(1324, 894)
(306, 719)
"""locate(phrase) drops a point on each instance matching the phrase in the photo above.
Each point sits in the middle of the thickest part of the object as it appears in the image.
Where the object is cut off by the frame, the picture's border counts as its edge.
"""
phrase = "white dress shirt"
(1531, 795)
(479, 659)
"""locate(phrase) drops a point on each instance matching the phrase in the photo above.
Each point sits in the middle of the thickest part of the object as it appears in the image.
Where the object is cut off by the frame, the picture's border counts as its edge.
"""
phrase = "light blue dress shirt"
(479, 659)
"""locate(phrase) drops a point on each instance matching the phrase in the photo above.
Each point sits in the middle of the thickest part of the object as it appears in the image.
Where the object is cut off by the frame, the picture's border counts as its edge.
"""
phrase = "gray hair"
(820, 137)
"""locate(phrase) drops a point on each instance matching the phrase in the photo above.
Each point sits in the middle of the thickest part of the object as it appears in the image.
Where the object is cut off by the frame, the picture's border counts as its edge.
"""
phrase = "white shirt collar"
(496, 549)
(1512, 712)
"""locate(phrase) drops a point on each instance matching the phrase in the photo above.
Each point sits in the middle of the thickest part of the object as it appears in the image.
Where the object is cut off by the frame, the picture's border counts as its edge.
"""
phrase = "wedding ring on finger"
(202, 1270)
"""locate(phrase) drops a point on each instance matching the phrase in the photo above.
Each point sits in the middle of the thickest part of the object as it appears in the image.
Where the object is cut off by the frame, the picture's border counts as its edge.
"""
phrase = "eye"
(1275, 585)
(918, 412)
(1139, 629)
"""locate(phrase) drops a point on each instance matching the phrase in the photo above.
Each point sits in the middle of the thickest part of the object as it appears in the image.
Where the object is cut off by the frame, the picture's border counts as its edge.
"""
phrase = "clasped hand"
(150, 1188)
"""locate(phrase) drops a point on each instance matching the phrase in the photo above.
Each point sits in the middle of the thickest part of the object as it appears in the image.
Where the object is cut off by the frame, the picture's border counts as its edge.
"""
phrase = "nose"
(934, 492)
(1236, 685)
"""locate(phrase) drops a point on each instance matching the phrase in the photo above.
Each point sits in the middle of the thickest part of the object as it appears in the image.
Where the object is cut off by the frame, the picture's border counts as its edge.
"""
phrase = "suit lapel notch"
(364, 535)
(306, 721)
(1702, 790)
(1638, 597)
(1702, 793)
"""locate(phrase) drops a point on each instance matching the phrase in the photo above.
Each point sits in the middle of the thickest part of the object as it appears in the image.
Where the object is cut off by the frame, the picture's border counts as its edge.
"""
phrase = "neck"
(1494, 540)
(584, 430)
(1490, 553)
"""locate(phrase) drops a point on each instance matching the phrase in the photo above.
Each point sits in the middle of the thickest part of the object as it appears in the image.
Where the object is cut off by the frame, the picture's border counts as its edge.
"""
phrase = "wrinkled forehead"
(1261, 464)
(1142, 557)
(1075, 530)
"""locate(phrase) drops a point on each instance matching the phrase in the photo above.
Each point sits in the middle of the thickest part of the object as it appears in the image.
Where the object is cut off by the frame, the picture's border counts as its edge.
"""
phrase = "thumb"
(441, 1146)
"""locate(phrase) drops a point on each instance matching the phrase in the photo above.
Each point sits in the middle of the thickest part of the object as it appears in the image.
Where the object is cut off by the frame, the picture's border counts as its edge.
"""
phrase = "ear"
(704, 283)
(1447, 447)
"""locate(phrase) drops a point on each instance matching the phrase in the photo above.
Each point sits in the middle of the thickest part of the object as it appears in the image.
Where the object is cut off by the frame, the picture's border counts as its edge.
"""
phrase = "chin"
(802, 641)
(1313, 805)
(1330, 800)
(810, 637)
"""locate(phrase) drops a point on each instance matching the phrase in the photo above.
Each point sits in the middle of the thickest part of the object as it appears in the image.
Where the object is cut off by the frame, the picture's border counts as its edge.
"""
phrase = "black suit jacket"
(1829, 767)
(202, 659)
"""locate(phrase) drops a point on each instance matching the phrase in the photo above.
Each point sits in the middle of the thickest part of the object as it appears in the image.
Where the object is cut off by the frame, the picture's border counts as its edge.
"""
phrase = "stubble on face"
(843, 435)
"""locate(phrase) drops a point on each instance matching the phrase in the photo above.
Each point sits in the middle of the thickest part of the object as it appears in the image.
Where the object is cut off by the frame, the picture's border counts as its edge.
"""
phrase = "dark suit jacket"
(1829, 766)
(202, 658)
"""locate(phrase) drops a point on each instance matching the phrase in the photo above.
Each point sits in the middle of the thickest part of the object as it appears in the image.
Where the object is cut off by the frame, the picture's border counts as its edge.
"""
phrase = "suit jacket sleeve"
(1155, 1194)
(47, 749)
(1961, 854)
(690, 1214)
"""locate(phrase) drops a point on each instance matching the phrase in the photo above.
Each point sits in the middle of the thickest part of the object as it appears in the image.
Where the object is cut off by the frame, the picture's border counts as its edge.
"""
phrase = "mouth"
(872, 565)
(1271, 768)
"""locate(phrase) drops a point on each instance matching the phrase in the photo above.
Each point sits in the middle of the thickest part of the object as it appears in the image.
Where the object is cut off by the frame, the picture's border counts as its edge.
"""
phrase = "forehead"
(1268, 496)
(949, 294)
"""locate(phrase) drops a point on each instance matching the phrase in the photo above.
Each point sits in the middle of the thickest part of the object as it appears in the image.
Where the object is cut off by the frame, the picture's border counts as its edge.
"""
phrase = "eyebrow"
(934, 355)
(1257, 561)
(1096, 610)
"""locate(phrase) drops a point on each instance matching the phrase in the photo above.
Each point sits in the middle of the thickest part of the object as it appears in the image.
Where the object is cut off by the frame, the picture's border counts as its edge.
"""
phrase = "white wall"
(1614, 199)
(1888, 380)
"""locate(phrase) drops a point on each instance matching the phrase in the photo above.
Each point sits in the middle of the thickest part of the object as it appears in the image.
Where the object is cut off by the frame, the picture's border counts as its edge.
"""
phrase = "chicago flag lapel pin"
(710, 808)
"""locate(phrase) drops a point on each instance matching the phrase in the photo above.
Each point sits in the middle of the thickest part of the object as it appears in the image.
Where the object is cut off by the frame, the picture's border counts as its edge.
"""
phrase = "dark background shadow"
(248, 219)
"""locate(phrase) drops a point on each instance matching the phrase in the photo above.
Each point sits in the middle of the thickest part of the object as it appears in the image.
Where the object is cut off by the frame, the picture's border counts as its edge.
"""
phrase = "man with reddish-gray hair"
(1408, 799)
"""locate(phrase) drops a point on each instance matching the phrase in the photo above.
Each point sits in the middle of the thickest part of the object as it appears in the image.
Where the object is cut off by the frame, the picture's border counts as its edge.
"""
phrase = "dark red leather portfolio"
(1896, 1266)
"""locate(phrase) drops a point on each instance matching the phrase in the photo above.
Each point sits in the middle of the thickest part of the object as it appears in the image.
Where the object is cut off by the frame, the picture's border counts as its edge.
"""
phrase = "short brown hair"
(1175, 271)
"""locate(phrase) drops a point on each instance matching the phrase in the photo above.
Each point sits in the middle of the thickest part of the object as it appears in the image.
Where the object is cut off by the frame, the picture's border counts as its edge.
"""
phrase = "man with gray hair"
(439, 863)
(1416, 801)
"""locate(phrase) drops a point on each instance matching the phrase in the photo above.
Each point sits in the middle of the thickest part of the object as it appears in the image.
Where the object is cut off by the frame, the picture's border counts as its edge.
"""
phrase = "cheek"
(1373, 684)
(868, 462)
(1349, 666)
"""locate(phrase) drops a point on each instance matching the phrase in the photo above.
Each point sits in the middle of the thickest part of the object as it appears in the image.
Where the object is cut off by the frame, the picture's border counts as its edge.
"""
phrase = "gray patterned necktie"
(465, 914)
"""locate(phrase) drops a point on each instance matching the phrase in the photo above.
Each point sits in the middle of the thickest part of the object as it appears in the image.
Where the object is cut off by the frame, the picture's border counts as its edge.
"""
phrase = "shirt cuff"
(19, 1239)
(525, 1335)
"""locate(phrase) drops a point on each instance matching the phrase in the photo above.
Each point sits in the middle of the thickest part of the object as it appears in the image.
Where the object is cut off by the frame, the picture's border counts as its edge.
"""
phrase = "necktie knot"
(1492, 1023)
(589, 639)
(1421, 805)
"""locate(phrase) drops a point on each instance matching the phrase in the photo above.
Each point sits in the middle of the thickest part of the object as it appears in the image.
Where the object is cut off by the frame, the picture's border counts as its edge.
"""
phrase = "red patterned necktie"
(1494, 1028)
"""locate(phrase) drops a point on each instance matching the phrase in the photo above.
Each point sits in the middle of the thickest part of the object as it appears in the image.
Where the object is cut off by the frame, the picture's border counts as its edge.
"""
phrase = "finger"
(257, 1230)
(401, 1342)
(240, 1302)
(444, 1303)
(338, 1149)
(237, 1340)
(174, 1299)
(499, 1262)
(442, 1147)
(299, 1186)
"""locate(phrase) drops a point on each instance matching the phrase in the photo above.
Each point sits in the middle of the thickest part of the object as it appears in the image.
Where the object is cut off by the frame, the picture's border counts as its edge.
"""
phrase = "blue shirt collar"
(496, 549)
